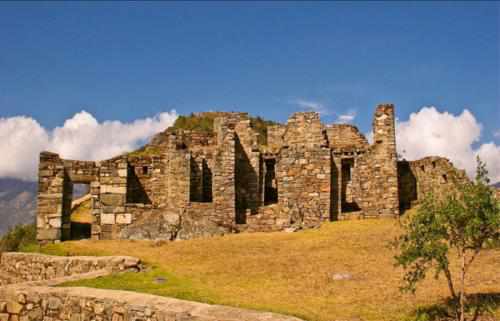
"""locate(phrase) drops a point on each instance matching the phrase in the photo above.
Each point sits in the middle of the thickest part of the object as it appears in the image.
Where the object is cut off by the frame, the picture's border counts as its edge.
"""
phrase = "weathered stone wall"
(51, 177)
(275, 135)
(186, 184)
(224, 187)
(270, 218)
(305, 129)
(113, 176)
(27, 267)
(247, 171)
(178, 178)
(375, 179)
(140, 181)
(38, 303)
(341, 136)
(25, 294)
(433, 174)
(303, 177)
(303, 171)
(344, 175)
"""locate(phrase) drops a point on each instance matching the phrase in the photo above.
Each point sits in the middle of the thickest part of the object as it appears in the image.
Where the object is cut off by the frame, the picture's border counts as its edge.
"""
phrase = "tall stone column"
(224, 189)
(376, 178)
(51, 195)
(384, 135)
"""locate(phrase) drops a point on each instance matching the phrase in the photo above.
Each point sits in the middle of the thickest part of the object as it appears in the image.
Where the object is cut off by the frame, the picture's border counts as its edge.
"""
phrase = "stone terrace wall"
(24, 267)
(34, 301)
(84, 304)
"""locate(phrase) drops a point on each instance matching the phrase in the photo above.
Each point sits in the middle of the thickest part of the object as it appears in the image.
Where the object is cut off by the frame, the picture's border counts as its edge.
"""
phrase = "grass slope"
(286, 273)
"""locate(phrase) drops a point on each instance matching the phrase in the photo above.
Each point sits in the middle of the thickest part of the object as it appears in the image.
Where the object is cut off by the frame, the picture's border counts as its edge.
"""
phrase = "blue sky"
(130, 60)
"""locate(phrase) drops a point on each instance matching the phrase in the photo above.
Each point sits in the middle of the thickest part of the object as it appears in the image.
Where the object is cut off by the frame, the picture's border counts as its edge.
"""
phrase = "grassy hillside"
(287, 273)
(205, 123)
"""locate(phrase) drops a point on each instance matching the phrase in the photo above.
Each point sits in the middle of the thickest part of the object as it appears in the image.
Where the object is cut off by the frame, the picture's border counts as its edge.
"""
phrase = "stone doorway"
(80, 212)
(347, 202)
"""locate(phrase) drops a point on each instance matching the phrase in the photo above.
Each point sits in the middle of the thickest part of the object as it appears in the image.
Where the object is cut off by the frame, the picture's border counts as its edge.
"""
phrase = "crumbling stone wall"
(342, 136)
(26, 293)
(36, 303)
(421, 177)
(186, 184)
(275, 134)
(303, 171)
(375, 183)
(27, 267)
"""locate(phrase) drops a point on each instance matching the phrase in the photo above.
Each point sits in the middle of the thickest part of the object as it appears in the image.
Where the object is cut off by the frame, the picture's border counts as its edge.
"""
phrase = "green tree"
(460, 225)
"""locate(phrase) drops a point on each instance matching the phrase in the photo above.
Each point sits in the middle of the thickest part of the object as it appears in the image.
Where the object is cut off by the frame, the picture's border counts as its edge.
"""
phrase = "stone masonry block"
(107, 218)
(124, 218)
(112, 199)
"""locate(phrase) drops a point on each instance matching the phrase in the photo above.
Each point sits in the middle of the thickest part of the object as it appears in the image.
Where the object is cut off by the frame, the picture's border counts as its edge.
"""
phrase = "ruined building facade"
(187, 184)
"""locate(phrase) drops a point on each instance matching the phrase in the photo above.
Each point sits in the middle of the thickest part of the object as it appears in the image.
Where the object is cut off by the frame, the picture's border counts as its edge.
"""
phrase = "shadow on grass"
(480, 306)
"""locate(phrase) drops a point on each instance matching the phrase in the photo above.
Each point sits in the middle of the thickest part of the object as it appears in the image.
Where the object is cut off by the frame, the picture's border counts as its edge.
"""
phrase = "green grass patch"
(153, 281)
(146, 151)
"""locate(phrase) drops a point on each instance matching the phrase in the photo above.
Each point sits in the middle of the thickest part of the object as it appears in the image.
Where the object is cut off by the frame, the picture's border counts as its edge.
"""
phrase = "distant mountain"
(497, 185)
(17, 203)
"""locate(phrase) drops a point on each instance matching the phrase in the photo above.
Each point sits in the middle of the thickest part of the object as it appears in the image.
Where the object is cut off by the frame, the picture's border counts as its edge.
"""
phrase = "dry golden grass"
(291, 272)
(82, 213)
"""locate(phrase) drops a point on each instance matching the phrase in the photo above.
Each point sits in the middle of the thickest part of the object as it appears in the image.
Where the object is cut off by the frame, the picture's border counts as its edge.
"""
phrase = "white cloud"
(431, 132)
(310, 105)
(347, 117)
(322, 109)
(81, 137)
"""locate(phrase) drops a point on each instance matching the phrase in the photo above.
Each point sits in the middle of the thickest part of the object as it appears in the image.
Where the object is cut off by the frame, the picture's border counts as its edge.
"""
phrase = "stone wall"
(341, 136)
(275, 135)
(375, 179)
(36, 303)
(303, 171)
(25, 294)
(51, 177)
(421, 177)
(27, 267)
(224, 187)
(247, 170)
(186, 184)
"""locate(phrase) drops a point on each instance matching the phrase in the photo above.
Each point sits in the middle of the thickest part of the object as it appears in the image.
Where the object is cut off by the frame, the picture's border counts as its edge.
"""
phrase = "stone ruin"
(186, 184)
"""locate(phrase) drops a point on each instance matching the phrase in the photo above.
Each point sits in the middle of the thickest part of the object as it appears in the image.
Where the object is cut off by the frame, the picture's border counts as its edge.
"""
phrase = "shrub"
(18, 237)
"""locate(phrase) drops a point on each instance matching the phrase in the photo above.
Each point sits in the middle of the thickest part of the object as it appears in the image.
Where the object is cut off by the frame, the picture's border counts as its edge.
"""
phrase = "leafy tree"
(460, 225)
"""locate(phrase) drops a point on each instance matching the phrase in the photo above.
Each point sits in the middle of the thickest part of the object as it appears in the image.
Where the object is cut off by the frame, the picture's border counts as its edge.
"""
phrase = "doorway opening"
(81, 212)
(347, 202)
(270, 186)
